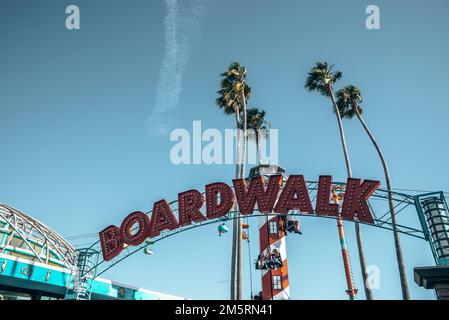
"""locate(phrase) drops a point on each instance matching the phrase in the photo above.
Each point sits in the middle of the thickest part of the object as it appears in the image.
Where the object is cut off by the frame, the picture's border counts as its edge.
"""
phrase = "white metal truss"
(30, 230)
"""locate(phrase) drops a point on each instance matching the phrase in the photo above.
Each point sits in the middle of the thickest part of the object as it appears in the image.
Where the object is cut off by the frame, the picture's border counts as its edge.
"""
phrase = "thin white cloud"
(181, 23)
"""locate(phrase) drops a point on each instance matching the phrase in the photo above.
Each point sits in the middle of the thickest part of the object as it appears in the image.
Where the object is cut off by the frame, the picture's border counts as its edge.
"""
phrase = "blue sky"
(78, 154)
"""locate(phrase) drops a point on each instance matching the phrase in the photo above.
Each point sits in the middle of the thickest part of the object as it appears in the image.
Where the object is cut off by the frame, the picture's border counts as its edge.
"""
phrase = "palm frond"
(256, 121)
(349, 99)
(232, 84)
(321, 77)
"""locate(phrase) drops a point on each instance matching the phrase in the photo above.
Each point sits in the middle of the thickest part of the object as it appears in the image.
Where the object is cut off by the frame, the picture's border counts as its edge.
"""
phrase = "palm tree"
(233, 94)
(348, 100)
(257, 122)
(321, 78)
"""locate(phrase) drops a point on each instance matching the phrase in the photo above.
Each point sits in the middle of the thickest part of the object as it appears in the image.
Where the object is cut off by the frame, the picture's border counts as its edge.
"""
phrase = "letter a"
(73, 20)
(162, 219)
(373, 20)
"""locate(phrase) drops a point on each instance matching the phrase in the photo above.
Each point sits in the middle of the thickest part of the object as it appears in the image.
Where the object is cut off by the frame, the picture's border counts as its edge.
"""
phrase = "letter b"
(111, 242)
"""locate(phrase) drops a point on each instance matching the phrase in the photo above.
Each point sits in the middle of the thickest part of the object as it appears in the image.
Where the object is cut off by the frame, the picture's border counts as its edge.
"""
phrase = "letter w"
(247, 197)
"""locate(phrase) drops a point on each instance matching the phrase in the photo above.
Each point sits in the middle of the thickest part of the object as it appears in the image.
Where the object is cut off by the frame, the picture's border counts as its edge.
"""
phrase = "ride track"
(377, 203)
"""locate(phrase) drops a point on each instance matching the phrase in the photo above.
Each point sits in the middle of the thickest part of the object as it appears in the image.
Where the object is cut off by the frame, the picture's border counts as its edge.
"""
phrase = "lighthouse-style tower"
(275, 284)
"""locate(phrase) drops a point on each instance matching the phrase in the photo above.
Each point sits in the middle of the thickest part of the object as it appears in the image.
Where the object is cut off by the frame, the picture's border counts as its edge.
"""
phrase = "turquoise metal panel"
(425, 227)
(421, 217)
(18, 271)
(26, 271)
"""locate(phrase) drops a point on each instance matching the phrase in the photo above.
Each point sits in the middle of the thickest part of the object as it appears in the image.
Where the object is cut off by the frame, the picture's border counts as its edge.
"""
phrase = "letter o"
(138, 237)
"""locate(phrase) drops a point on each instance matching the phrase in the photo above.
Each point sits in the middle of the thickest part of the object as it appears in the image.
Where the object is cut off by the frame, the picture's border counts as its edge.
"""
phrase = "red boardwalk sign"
(219, 199)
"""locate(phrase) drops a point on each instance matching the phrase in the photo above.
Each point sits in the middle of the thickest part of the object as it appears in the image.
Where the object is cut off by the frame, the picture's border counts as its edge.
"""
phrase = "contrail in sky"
(181, 23)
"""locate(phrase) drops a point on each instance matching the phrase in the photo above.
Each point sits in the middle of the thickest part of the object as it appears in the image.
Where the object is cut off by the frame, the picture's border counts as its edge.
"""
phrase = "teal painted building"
(37, 263)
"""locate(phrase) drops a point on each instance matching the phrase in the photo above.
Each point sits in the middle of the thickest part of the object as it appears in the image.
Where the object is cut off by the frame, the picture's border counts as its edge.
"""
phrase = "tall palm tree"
(321, 78)
(257, 122)
(348, 100)
(233, 94)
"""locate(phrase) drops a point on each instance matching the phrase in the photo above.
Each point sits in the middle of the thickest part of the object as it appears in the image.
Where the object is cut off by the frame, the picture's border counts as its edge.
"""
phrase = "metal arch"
(382, 221)
(28, 228)
(167, 234)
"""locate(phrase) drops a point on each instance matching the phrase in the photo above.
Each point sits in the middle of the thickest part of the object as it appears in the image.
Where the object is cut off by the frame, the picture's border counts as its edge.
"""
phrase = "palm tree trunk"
(258, 146)
(342, 133)
(239, 222)
(234, 221)
(397, 242)
(368, 292)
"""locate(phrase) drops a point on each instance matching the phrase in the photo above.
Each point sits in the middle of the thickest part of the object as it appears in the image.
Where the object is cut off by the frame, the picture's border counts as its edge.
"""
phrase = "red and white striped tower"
(274, 282)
